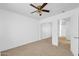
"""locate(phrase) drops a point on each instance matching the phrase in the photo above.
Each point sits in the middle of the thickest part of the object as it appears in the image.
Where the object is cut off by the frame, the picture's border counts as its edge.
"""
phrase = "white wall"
(16, 30)
(74, 34)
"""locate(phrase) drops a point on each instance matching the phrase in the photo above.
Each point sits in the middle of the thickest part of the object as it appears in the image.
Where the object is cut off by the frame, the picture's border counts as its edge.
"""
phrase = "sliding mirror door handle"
(76, 37)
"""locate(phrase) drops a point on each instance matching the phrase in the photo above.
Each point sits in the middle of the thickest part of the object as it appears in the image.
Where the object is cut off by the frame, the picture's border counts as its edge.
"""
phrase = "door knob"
(76, 37)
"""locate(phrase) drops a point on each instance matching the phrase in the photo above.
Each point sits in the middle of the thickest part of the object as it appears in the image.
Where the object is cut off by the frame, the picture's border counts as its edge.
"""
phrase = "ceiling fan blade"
(33, 11)
(44, 4)
(45, 10)
(33, 6)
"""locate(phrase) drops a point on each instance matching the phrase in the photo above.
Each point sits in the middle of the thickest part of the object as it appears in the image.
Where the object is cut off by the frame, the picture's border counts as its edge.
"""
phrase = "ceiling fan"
(40, 9)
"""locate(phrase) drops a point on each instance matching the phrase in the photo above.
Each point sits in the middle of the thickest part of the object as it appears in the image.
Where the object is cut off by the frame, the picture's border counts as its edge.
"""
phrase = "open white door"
(55, 32)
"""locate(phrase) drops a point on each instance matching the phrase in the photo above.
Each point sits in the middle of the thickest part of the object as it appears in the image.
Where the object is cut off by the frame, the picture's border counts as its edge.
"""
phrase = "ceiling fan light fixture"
(40, 8)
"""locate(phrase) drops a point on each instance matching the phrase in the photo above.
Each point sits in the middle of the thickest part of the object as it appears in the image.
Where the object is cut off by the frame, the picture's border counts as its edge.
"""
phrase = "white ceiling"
(25, 9)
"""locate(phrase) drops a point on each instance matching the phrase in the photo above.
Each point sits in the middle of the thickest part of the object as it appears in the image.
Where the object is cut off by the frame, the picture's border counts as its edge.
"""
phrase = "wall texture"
(16, 30)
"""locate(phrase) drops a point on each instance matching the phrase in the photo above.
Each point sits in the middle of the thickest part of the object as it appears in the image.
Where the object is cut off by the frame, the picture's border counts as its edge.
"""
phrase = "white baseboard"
(19, 45)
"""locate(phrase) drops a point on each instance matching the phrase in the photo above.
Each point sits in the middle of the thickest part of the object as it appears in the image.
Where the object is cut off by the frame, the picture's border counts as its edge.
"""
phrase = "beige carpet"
(40, 48)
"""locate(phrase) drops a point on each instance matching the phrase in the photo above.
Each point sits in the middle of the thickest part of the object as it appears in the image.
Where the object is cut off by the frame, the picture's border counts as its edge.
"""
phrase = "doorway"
(46, 30)
(64, 33)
